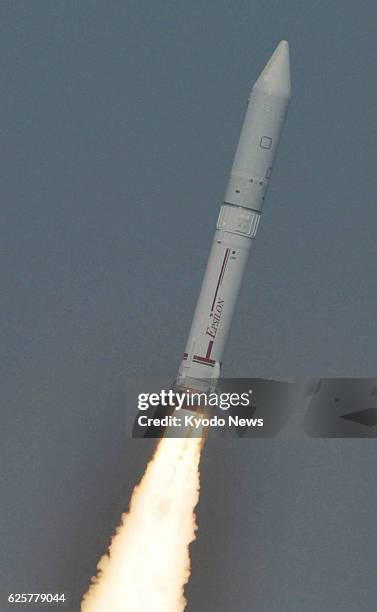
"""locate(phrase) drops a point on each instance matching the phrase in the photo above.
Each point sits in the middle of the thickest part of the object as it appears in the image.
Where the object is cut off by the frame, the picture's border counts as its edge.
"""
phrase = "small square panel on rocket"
(265, 142)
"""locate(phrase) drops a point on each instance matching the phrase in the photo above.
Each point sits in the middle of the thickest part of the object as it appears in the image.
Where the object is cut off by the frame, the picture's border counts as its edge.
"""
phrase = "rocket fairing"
(237, 222)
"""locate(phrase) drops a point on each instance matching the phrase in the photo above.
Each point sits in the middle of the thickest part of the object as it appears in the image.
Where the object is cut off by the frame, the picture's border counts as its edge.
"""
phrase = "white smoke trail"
(148, 561)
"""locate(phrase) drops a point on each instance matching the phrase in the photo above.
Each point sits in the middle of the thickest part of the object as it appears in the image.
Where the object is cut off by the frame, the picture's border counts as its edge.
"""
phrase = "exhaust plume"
(148, 562)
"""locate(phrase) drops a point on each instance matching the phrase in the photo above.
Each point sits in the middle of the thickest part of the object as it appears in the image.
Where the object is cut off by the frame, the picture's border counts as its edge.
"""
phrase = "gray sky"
(119, 125)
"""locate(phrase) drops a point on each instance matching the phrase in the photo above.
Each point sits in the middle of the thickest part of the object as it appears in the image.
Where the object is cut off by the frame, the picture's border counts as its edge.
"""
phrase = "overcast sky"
(119, 125)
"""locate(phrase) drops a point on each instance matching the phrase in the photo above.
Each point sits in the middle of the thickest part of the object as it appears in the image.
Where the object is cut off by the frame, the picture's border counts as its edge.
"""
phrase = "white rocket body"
(237, 223)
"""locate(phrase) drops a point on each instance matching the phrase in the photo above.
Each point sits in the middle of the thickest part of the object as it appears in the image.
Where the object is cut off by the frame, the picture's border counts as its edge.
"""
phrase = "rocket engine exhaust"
(148, 562)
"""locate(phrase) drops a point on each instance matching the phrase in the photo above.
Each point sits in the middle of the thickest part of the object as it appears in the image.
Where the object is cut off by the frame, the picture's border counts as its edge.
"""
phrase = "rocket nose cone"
(275, 78)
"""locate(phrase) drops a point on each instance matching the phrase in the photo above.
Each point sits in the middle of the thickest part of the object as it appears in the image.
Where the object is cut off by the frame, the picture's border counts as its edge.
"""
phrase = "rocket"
(237, 223)
(236, 228)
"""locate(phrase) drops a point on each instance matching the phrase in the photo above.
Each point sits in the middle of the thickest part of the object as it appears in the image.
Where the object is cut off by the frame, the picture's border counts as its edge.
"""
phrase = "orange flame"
(148, 561)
